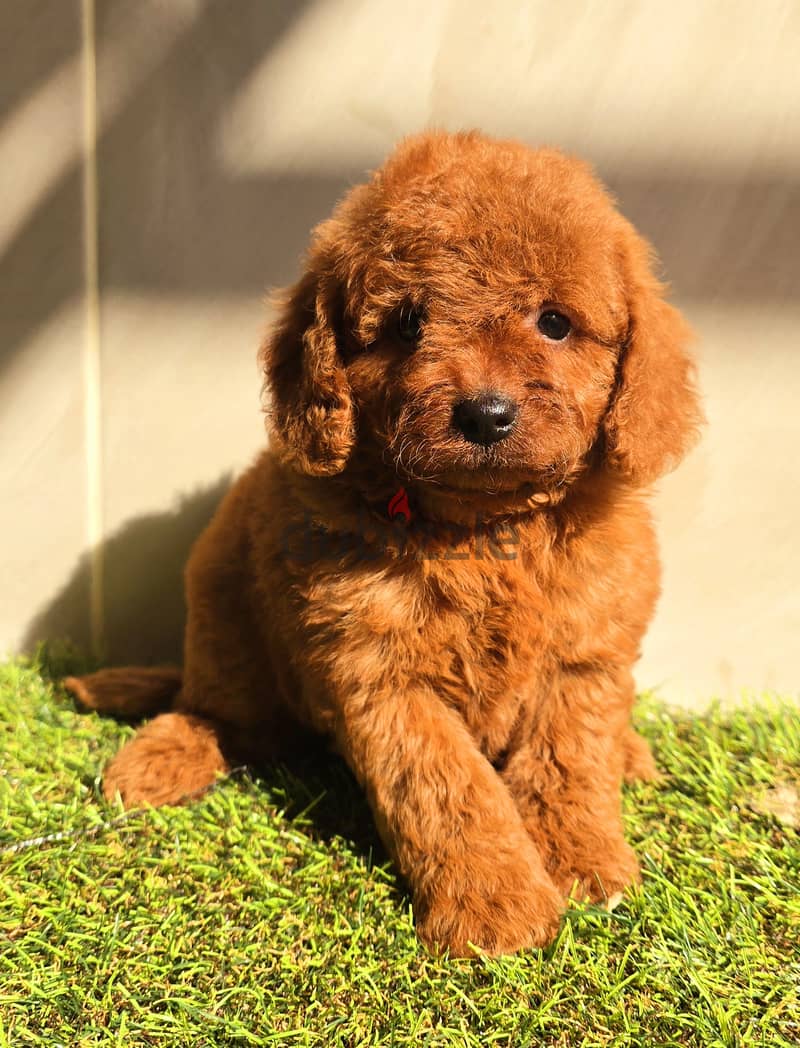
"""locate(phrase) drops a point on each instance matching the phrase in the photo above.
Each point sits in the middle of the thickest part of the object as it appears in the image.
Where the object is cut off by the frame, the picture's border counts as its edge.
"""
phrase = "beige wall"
(224, 130)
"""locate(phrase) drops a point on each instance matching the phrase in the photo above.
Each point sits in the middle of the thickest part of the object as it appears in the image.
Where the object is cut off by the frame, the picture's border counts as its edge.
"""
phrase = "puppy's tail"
(127, 691)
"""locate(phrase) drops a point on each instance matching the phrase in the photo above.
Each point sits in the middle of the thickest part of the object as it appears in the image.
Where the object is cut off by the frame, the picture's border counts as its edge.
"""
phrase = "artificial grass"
(266, 913)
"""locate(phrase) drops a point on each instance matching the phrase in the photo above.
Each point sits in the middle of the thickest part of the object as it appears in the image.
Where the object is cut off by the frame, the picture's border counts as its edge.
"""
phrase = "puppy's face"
(488, 355)
(465, 322)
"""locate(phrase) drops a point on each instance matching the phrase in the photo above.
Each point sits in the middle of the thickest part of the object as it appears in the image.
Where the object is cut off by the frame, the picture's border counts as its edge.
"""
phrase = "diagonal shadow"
(42, 36)
(173, 221)
(222, 237)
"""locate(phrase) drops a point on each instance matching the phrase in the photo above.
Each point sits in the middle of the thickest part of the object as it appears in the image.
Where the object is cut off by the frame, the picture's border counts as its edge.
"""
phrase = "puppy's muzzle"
(486, 419)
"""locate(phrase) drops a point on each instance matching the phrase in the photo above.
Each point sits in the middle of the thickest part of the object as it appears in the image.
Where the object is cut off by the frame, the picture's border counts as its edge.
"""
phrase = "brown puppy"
(445, 563)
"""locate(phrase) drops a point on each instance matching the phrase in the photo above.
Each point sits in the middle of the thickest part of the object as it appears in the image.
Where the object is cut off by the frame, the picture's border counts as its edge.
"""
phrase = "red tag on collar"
(398, 506)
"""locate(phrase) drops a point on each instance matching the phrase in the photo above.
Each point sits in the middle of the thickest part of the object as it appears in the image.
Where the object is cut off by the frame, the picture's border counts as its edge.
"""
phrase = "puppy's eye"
(409, 324)
(554, 325)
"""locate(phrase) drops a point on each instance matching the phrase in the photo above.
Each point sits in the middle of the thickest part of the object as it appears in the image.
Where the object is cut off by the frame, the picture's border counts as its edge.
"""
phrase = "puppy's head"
(480, 319)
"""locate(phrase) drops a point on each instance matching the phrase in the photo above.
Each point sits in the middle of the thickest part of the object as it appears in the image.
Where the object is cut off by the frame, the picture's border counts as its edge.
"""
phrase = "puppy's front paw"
(498, 910)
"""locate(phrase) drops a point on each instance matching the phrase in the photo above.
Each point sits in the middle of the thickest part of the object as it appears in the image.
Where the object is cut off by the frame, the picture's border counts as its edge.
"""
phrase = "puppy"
(444, 563)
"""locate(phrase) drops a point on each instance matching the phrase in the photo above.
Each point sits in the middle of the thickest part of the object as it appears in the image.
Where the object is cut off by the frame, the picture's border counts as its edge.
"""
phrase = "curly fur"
(472, 665)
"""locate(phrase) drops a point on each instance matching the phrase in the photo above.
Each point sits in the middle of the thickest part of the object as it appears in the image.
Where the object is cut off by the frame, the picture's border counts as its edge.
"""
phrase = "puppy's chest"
(485, 645)
(499, 639)
(473, 632)
(487, 635)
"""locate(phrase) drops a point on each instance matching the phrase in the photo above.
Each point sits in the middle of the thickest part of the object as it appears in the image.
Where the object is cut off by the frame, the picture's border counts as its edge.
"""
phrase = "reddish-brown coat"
(473, 664)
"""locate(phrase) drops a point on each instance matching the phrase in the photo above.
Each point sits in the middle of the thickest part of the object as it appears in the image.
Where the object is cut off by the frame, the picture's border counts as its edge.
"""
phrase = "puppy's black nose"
(486, 419)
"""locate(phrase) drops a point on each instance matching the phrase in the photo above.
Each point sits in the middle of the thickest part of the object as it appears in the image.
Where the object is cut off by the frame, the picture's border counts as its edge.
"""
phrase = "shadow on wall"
(143, 592)
(172, 220)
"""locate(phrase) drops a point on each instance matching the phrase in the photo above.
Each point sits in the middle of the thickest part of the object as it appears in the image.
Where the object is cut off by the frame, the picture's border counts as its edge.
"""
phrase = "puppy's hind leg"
(174, 758)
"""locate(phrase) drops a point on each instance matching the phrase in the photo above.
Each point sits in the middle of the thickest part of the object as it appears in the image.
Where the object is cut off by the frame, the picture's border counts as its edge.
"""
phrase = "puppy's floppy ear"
(311, 410)
(655, 415)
